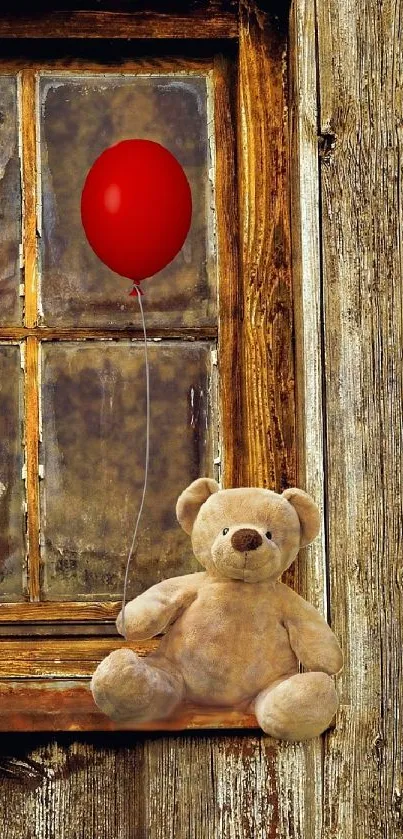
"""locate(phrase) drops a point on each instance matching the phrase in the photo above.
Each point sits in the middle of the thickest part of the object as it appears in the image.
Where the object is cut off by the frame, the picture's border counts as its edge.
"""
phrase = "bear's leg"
(127, 687)
(297, 708)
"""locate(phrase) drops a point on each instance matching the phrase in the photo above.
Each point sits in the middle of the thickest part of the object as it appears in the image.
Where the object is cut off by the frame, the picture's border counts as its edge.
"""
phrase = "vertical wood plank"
(307, 285)
(361, 84)
(32, 465)
(306, 272)
(177, 787)
(28, 162)
(294, 779)
(230, 311)
(265, 269)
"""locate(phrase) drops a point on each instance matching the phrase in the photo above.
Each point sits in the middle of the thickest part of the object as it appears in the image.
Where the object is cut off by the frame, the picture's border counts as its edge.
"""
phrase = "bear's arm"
(311, 638)
(152, 612)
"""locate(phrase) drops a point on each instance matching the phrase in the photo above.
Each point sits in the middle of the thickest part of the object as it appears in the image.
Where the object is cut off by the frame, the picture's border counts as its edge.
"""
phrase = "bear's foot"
(128, 688)
(297, 708)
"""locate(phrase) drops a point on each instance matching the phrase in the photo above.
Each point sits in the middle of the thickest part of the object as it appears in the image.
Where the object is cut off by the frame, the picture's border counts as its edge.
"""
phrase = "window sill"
(67, 705)
(44, 686)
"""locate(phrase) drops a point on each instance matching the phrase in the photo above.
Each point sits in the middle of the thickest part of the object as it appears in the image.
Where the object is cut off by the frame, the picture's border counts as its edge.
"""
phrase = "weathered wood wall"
(350, 785)
(361, 99)
(137, 787)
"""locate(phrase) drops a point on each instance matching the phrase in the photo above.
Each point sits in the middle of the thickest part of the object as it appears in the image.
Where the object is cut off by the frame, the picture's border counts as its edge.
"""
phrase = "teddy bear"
(233, 634)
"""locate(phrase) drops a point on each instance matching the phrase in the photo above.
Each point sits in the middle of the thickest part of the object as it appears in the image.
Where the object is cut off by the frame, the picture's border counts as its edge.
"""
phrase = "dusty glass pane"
(93, 404)
(10, 204)
(12, 491)
(79, 118)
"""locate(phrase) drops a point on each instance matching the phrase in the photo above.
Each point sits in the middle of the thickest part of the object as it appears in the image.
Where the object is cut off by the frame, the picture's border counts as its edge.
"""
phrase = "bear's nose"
(246, 540)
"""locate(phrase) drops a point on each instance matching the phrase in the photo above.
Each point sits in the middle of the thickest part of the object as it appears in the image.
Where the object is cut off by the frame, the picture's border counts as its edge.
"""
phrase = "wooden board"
(67, 705)
(230, 303)
(45, 333)
(32, 465)
(361, 84)
(268, 399)
(28, 173)
(305, 232)
(128, 786)
(211, 19)
(52, 612)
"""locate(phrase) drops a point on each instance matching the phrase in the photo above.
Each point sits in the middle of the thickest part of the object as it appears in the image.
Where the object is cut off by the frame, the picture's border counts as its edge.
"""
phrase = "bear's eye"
(268, 534)
(225, 531)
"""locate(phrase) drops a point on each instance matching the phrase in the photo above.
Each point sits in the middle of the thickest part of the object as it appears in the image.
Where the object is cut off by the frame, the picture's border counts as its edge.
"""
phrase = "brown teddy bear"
(234, 634)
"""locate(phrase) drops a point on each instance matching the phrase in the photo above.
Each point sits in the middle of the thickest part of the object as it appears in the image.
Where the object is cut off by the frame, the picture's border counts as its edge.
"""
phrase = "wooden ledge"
(63, 705)
(61, 658)
(45, 687)
(111, 24)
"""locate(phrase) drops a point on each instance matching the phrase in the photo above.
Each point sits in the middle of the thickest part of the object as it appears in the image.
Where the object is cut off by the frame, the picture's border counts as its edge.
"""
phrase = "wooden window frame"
(216, 70)
(44, 680)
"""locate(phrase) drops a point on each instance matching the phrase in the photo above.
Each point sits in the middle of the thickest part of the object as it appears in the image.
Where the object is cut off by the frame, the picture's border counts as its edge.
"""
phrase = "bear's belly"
(227, 654)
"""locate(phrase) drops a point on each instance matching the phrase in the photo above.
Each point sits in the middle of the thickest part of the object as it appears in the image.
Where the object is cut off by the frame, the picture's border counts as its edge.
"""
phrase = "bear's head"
(246, 534)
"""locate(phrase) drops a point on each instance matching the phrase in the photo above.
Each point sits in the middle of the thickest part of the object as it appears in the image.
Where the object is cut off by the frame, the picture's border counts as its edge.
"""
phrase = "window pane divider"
(29, 250)
(29, 189)
(229, 299)
(44, 333)
(32, 465)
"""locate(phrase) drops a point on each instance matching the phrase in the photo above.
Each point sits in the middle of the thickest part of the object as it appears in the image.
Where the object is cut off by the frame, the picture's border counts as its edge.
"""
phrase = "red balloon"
(136, 208)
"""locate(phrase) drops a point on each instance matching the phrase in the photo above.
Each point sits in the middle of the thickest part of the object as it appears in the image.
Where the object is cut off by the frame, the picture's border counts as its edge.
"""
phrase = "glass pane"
(10, 204)
(79, 118)
(93, 404)
(12, 491)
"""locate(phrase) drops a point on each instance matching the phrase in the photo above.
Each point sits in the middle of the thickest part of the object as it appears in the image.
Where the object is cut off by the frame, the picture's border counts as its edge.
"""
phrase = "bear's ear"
(307, 512)
(191, 499)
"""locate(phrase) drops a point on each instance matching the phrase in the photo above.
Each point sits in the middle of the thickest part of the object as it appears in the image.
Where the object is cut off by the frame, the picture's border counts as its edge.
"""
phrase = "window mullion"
(32, 465)
(29, 253)
(29, 189)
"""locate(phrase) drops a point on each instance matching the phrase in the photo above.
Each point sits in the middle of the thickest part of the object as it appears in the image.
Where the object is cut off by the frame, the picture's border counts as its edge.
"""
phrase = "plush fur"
(234, 634)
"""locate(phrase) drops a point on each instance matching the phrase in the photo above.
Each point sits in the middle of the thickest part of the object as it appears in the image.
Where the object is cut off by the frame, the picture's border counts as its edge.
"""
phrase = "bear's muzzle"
(246, 539)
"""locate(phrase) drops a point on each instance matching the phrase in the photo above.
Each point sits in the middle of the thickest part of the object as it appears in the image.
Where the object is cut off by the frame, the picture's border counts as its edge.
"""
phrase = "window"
(71, 356)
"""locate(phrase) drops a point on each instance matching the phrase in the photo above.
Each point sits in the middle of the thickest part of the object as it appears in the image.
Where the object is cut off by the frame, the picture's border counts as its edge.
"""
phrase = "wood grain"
(245, 785)
(87, 649)
(265, 268)
(63, 705)
(78, 62)
(56, 611)
(230, 309)
(311, 570)
(28, 141)
(32, 465)
(307, 290)
(28, 163)
(266, 359)
(110, 334)
(161, 787)
(361, 84)
(48, 658)
(208, 22)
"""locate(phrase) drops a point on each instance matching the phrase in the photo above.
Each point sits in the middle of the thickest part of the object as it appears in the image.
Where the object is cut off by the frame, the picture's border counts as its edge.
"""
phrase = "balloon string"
(147, 459)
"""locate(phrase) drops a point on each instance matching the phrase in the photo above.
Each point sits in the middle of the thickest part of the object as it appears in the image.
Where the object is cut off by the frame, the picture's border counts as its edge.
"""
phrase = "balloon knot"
(136, 290)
